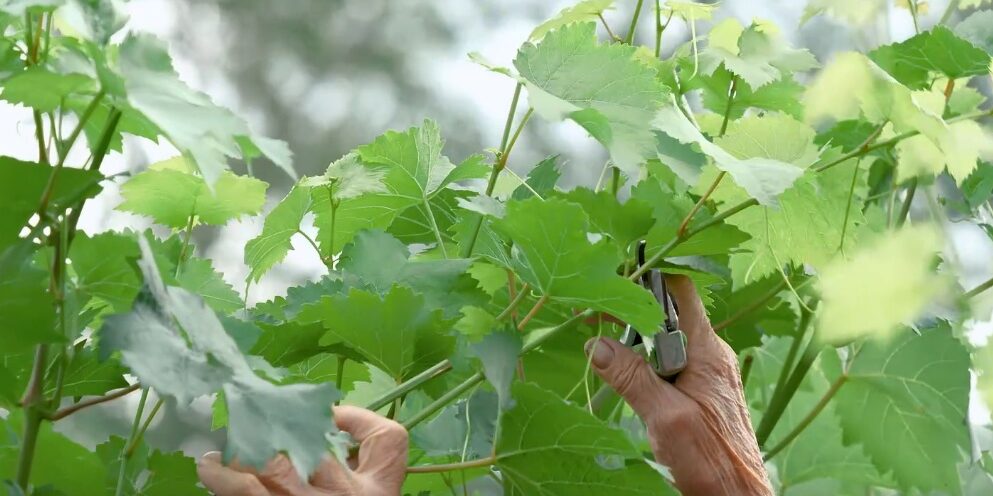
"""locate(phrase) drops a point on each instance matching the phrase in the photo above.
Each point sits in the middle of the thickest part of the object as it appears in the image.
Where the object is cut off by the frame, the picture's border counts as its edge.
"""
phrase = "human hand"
(699, 425)
(377, 470)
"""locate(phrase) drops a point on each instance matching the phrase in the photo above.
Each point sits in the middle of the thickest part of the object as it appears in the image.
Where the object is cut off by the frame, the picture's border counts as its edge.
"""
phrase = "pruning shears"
(667, 348)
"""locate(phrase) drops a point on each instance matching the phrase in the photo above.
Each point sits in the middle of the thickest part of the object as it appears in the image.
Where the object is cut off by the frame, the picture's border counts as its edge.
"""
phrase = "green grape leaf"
(395, 332)
(939, 50)
(920, 156)
(273, 243)
(905, 401)
(782, 95)
(22, 185)
(818, 451)
(552, 254)
(204, 132)
(417, 223)
(198, 276)
(757, 54)
(896, 269)
(104, 267)
(586, 10)
(170, 474)
(498, 352)
(857, 12)
(540, 180)
(173, 342)
(809, 226)
(549, 447)
(61, 463)
(26, 316)
(43, 90)
(365, 391)
(764, 178)
(337, 226)
(377, 261)
(625, 223)
(170, 193)
(599, 86)
(121, 472)
(86, 375)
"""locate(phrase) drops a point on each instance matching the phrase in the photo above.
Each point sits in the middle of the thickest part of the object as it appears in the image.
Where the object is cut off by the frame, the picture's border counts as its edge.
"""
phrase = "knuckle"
(394, 430)
(625, 379)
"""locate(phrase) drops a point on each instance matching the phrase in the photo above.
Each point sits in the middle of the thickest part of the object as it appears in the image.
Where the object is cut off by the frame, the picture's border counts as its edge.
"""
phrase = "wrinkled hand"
(699, 425)
(378, 470)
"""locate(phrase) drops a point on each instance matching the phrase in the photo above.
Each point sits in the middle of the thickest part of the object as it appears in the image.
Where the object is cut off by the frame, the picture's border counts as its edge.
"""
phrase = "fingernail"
(602, 354)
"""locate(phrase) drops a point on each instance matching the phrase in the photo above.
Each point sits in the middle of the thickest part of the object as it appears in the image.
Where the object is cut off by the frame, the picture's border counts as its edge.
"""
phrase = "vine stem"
(781, 396)
(443, 401)
(634, 22)
(69, 410)
(534, 311)
(746, 369)
(134, 432)
(987, 284)
(144, 427)
(808, 419)
(30, 403)
(506, 145)
(516, 302)
(607, 27)
(905, 209)
(451, 467)
(867, 147)
(751, 306)
(952, 7)
(659, 27)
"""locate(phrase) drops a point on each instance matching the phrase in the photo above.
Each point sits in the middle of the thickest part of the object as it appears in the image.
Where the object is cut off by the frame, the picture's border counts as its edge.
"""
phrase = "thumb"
(632, 377)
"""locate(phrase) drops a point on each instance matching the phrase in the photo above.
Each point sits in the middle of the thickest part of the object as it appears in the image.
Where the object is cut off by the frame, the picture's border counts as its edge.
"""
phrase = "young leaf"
(199, 277)
(42, 89)
(782, 95)
(210, 136)
(552, 254)
(757, 54)
(175, 344)
(912, 62)
(170, 193)
(906, 402)
(586, 10)
(881, 288)
(273, 243)
(347, 178)
(764, 178)
(599, 86)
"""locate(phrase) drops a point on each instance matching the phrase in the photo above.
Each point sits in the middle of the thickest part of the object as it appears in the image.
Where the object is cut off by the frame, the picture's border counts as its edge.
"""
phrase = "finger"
(382, 442)
(333, 477)
(692, 314)
(280, 477)
(632, 377)
(224, 481)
